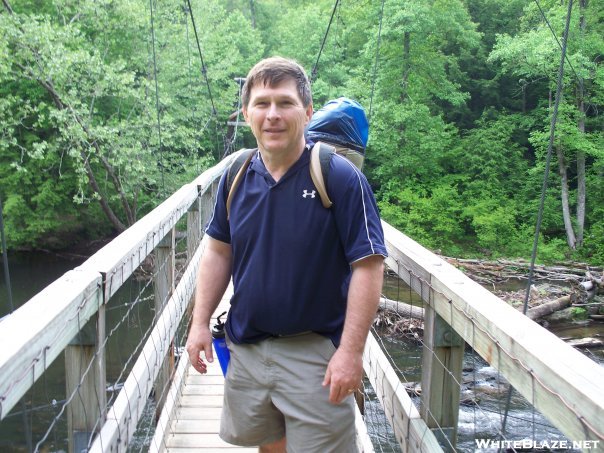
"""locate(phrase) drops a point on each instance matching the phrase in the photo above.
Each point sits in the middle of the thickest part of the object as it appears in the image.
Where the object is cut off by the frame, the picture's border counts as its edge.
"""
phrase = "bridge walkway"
(190, 420)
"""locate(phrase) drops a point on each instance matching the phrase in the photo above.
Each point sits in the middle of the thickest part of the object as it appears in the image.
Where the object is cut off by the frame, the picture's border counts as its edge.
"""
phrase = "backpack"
(339, 127)
(343, 124)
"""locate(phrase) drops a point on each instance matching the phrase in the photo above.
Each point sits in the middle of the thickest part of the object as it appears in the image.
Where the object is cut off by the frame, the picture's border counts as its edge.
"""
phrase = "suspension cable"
(544, 187)
(5, 261)
(26, 425)
(240, 85)
(377, 54)
(555, 37)
(314, 69)
(161, 148)
(549, 157)
(203, 66)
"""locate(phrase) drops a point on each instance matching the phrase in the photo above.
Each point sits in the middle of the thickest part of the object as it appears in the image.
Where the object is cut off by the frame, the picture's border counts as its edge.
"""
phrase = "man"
(306, 281)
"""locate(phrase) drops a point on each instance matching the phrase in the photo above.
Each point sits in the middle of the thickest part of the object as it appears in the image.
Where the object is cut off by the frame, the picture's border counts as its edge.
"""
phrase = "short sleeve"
(355, 210)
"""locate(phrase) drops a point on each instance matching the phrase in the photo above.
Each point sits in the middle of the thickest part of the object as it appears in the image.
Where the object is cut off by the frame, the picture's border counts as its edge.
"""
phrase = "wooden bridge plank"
(195, 426)
(201, 401)
(203, 390)
(214, 450)
(184, 440)
(212, 379)
(194, 413)
(199, 397)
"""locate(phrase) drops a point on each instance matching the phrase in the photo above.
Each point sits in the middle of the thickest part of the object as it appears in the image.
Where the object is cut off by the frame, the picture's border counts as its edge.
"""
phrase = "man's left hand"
(344, 374)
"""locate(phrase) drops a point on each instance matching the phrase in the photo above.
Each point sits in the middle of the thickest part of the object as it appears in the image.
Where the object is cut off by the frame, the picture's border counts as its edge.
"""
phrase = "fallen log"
(492, 272)
(404, 309)
(549, 307)
(588, 342)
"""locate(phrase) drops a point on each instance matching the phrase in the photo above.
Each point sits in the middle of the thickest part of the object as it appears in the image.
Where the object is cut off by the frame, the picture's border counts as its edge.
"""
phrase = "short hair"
(271, 72)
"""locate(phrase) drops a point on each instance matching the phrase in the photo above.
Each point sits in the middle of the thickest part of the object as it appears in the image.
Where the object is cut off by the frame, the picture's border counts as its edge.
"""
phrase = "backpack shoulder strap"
(235, 174)
(320, 158)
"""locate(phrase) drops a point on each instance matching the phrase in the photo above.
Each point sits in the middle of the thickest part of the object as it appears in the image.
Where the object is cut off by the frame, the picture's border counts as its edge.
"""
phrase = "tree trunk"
(7, 6)
(580, 154)
(253, 13)
(568, 226)
(585, 342)
(581, 198)
(406, 63)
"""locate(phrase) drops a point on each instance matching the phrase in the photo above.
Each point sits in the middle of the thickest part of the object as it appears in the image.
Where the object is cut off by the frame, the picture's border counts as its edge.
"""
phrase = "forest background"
(106, 108)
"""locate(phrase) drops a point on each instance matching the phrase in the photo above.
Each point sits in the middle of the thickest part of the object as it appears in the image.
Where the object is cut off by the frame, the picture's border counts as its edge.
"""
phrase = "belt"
(278, 335)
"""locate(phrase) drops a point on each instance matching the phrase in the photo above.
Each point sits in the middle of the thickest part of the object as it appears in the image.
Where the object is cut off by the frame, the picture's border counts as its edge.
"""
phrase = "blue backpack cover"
(341, 122)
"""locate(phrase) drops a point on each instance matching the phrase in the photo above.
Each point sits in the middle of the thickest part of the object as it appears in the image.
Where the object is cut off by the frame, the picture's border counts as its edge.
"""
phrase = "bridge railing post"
(194, 224)
(442, 362)
(165, 263)
(86, 412)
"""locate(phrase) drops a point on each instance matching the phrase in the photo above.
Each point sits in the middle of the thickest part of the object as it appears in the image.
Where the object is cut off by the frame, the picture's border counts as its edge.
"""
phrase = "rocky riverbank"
(560, 296)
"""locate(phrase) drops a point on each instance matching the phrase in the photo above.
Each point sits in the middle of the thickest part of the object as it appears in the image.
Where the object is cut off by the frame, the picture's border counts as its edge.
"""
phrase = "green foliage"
(494, 225)
(554, 250)
(78, 110)
(460, 97)
(429, 218)
(579, 314)
(593, 249)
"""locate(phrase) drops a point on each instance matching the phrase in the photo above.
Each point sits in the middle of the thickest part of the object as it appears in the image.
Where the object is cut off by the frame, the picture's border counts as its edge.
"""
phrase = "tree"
(79, 102)
(532, 55)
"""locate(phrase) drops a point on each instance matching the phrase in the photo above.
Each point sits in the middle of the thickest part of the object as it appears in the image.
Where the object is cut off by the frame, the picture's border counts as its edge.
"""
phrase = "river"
(484, 391)
(132, 307)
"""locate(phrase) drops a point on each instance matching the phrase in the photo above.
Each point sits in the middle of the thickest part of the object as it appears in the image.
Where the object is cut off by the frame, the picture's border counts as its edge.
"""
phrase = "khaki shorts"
(273, 389)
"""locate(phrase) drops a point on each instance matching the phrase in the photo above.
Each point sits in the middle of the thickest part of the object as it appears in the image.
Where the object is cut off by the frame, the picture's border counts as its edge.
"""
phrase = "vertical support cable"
(5, 261)
(375, 65)
(161, 155)
(203, 66)
(28, 438)
(205, 76)
(316, 66)
(549, 157)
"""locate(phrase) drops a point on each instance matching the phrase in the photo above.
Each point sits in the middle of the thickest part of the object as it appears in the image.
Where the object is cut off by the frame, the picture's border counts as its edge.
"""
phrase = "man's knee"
(273, 447)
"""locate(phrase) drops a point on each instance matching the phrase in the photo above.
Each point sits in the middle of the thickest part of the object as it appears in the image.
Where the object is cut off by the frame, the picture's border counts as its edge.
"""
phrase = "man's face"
(277, 117)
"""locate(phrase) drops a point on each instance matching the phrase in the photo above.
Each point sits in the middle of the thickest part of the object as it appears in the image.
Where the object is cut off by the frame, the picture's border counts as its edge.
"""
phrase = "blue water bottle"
(220, 345)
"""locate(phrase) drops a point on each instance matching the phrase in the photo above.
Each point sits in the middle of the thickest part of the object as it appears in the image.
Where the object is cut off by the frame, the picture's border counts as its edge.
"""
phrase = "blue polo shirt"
(292, 256)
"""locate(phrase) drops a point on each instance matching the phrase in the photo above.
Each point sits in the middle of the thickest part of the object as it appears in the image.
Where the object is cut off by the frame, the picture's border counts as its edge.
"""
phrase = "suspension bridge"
(156, 401)
(149, 398)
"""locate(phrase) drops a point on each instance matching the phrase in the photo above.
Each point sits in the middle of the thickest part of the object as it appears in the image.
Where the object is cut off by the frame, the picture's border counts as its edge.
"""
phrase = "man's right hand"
(200, 339)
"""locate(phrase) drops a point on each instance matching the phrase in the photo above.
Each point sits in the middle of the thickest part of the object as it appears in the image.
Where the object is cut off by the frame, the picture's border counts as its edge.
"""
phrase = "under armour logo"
(306, 193)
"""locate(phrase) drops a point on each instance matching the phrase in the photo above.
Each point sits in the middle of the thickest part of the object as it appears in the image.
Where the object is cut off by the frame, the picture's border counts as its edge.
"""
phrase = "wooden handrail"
(563, 384)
